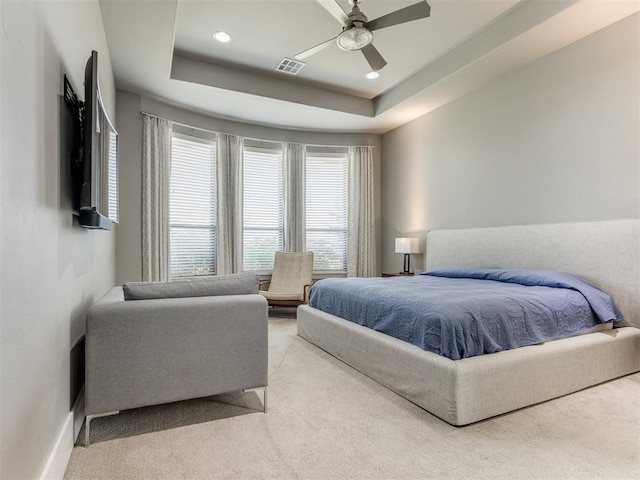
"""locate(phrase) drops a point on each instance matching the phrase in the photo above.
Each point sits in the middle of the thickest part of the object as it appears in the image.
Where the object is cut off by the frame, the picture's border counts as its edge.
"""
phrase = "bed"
(467, 390)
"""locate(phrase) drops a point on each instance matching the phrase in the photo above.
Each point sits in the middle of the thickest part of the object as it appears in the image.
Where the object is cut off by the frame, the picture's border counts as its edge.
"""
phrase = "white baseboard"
(61, 452)
(78, 414)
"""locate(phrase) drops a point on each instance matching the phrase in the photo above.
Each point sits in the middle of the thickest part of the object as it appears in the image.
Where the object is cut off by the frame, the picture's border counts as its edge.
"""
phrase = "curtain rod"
(251, 138)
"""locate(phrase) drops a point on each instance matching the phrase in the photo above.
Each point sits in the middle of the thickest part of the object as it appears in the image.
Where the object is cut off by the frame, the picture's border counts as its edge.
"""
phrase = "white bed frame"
(472, 389)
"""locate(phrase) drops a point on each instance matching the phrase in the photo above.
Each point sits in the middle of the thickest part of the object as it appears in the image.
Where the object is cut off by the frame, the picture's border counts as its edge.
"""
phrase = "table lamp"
(407, 246)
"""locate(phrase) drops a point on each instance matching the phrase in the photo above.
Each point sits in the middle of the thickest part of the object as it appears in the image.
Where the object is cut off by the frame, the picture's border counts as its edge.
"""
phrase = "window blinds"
(192, 224)
(193, 207)
(113, 205)
(263, 223)
(326, 211)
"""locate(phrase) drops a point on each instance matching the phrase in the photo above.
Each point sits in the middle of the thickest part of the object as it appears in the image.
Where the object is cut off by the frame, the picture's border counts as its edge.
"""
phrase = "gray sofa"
(171, 341)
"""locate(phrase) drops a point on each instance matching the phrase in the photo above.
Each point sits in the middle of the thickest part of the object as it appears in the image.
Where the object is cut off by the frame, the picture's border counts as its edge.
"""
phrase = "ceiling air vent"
(292, 67)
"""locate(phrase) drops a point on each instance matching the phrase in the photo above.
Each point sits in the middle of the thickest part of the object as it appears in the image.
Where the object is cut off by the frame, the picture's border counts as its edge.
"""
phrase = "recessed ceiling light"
(372, 75)
(223, 37)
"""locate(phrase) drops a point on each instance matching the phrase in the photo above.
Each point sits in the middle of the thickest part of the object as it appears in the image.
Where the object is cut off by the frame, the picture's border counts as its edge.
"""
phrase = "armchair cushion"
(235, 284)
(299, 296)
(291, 279)
(291, 272)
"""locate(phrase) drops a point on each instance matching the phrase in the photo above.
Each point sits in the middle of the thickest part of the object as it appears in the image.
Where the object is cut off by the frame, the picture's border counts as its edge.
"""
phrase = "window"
(263, 223)
(193, 202)
(326, 211)
(112, 165)
(192, 221)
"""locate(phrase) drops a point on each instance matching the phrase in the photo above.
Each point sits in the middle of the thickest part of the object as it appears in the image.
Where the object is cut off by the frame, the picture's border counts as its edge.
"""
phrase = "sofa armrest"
(147, 352)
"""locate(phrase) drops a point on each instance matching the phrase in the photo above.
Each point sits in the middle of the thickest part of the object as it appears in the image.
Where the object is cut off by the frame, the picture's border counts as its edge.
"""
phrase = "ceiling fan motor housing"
(356, 15)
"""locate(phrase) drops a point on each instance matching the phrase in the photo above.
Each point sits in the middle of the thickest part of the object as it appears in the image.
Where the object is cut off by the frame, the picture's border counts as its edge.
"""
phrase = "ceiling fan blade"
(373, 57)
(334, 9)
(314, 50)
(407, 14)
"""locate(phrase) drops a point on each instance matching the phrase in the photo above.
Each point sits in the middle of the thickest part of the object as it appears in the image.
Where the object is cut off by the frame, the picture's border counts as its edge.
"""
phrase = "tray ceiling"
(165, 49)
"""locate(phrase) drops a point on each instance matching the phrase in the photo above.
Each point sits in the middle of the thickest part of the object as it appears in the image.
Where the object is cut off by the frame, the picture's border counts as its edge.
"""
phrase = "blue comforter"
(464, 312)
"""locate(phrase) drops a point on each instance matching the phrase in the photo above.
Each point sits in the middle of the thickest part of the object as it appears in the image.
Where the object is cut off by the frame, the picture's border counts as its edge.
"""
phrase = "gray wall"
(129, 106)
(555, 141)
(51, 269)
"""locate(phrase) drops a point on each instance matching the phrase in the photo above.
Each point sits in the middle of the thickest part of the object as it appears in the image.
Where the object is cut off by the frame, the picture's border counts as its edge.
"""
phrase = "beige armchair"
(290, 281)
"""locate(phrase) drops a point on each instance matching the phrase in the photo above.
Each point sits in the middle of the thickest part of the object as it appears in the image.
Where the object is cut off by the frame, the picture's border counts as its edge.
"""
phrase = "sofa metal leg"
(264, 399)
(264, 396)
(87, 425)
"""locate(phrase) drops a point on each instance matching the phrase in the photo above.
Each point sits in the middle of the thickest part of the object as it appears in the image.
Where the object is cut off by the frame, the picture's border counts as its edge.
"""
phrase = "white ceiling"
(264, 32)
(164, 49)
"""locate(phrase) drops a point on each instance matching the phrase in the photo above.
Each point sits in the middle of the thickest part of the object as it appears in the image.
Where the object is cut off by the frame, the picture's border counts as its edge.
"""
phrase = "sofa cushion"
(235, 284)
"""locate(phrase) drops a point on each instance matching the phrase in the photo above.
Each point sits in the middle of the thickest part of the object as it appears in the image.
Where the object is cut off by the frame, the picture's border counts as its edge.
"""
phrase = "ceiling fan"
(356, 31)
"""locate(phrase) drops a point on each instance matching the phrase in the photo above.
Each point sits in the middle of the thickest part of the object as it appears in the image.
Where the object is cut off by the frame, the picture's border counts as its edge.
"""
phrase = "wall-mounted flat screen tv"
(97, 192)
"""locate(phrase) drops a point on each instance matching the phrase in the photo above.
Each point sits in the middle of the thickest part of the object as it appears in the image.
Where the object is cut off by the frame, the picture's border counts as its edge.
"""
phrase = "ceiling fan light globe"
(355, 38)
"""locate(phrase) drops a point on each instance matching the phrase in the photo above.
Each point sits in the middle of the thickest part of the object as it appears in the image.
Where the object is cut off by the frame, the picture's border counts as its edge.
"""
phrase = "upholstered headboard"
(605, 253)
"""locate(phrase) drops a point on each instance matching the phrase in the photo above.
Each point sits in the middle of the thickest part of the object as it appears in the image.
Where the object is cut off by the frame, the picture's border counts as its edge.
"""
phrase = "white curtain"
(294, 197)
(229, 204)
(361, 243)
(156, 176)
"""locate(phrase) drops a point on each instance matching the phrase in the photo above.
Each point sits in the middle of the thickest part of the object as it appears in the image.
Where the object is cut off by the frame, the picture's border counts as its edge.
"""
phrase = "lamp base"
(407, 256)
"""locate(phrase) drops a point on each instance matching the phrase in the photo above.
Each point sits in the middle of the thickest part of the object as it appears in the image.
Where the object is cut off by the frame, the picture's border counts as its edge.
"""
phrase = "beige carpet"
(327, 421)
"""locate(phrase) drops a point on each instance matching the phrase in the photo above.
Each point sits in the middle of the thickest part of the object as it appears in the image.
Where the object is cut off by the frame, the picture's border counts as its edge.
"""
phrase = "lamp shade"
(408, 245)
